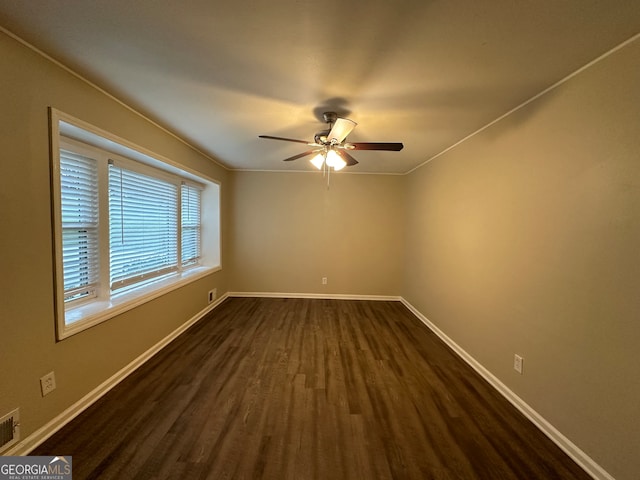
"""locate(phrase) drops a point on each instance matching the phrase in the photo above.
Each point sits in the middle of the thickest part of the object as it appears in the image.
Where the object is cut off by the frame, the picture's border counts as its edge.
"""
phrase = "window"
(79, 192)
(190, 196)
(143, 227)
(128, 227)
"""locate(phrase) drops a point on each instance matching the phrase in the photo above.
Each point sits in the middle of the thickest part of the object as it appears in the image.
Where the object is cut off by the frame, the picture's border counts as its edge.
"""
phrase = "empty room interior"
(301, 239)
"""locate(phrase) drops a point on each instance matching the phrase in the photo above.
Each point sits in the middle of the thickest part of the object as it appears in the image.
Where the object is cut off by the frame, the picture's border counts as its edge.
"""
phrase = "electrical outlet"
(48, 383)
(518, 362)
(324, 280)
(212, 294)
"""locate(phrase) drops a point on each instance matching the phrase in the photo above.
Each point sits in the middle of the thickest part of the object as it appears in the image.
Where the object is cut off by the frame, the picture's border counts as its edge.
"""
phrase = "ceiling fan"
(330, 147)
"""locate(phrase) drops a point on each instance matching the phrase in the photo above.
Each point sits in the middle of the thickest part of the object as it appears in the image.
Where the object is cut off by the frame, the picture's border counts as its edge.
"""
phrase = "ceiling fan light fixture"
(334, 160)
(340, 164)
(318, 160)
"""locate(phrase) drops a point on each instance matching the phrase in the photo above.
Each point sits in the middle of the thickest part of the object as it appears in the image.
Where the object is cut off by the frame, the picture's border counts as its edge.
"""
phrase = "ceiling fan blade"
(391, 147)
(347, 158)
(285, 139)
(304, 154)
(341, 129)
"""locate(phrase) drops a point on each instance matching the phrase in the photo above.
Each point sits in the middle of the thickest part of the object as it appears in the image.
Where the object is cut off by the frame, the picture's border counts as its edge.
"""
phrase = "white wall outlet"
(324, 280)
(212, 294)
(518, 362)
(48, 383)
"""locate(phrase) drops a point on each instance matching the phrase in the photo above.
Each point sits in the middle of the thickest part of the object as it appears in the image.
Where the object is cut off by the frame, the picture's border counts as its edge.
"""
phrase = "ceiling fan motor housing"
(330, 117)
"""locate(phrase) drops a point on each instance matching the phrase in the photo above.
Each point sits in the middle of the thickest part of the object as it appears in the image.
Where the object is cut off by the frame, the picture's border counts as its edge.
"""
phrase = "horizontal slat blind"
(143, 233)
(190, 222)
(79, 201)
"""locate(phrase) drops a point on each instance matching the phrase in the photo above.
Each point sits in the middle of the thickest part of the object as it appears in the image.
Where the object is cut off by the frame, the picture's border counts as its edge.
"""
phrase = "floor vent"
(9, 429)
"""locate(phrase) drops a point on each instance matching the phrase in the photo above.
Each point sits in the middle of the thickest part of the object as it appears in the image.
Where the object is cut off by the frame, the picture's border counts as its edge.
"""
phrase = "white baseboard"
(328, 296)
(571, 449)
(25, 446)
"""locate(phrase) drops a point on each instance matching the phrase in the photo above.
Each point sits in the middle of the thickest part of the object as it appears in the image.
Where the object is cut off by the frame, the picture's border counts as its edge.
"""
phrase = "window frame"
(72, 134)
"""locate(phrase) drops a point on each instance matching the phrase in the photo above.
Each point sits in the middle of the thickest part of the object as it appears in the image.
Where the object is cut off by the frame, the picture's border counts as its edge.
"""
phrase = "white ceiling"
(220, 73)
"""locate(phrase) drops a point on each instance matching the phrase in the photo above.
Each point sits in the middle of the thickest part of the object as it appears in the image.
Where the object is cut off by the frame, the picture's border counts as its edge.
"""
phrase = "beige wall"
(289, 231)
(28, 85)
(526, 239)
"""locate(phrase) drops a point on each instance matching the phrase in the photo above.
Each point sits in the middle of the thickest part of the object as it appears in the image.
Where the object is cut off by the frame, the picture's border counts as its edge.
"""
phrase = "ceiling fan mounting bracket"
(330, 117)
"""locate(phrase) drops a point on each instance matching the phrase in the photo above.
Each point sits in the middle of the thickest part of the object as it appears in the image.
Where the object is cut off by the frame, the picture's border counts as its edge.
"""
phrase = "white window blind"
(143, 228)
(190, 223)
(79, 202)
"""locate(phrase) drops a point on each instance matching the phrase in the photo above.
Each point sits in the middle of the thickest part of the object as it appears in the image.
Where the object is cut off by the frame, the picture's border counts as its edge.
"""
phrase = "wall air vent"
(9, 429)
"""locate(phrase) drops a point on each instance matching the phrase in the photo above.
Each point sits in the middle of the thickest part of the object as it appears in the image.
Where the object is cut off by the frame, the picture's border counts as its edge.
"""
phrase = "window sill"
(81, 317)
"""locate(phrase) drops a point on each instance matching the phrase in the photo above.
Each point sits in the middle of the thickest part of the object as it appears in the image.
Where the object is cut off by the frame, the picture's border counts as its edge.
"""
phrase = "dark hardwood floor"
(307, 389)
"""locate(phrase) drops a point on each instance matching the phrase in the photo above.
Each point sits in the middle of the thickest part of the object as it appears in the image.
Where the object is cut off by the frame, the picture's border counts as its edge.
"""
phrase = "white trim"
(115, 99)
(527, 102)
(218, 163)
(77, 135)
(293, 170)
(326, 296)
(27, 445)
(65, 125)
(82, 317)
(566, 445)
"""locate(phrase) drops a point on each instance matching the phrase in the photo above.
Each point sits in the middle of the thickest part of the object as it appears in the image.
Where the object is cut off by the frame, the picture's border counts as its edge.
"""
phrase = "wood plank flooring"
(307, 389)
